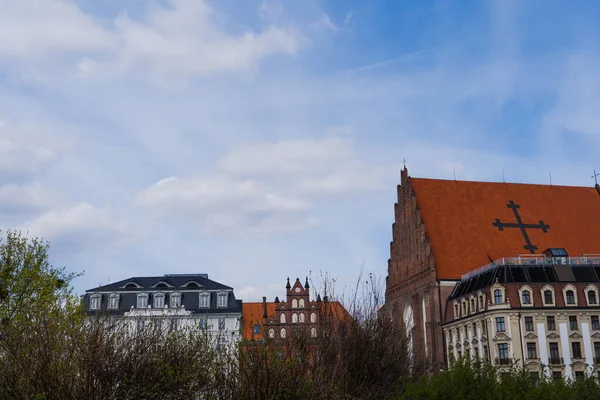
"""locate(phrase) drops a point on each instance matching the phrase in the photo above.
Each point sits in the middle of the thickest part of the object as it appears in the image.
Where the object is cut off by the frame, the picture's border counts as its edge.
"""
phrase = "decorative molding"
(531, 335)
(553, 336)
(501, 337)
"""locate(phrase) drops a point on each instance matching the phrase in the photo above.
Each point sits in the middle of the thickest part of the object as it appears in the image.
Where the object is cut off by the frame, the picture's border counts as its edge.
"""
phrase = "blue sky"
(262, 139)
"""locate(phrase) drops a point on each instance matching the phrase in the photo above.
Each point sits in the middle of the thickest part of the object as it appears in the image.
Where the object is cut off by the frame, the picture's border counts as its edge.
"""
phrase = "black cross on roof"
(523, 227)
(595, 176)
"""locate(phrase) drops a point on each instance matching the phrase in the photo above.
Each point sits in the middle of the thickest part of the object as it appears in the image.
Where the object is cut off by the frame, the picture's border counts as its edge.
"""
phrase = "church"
(445, 231)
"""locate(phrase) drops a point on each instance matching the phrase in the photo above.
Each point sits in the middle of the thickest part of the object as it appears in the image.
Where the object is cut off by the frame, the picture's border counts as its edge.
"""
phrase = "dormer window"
(526, 297)
(498, 296)
(175, 300)
(481, 302)
(159, 300)
(95, 301)
(222, 300)
(113, 302)
(591, 295)
(192, 284)
(204, 300)
(464, 307)
(548, 295)
(142, 300)
(570, 297)
(132, 285)
(456, 310)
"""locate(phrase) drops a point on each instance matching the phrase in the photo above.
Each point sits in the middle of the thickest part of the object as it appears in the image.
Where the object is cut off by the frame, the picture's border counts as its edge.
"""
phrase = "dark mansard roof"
(166, 282)
(540, 269)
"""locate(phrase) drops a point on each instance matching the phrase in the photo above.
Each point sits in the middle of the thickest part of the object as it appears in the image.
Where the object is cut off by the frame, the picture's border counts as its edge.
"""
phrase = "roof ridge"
(499, 182)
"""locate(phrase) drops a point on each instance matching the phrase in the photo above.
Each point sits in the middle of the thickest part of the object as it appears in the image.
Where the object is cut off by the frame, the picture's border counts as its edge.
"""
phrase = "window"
(294, 318)
(481, 302)
(576, 349)
(313, 318)
(592, 297)
(529, 324)
(556, 375)
(570, 297)
(113, 302)
(142, 300)
(294, 303)
(551, 323)
(531, 350)
(301, 317)
(485, 352)
(464, 308)
(203, 323)
(473, 309)
(548, 297)
(301, 303)
(476, 349)
(313, 332)
(95, 302)
(573, 322)
(503, 353)
(159, 300)
(256, 329)
(283, 333)
(595, 322)
(500, 324)
(174, 323)
(526, 297)
(597, 350)
(483, 327)
(221, 324)
(578, 374)
(282, 318)
(474, 329)
(498, 296)
(554, 355)
(204, 300)
(271, 333)
(222, 302)
(455, 310)
(175, 300)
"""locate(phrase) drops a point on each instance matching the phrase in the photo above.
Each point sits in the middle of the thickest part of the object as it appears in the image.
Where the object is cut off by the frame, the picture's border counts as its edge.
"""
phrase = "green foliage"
(480, 380)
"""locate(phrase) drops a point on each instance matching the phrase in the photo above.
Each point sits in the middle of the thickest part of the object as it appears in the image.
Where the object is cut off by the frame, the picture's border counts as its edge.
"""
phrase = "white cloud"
(17, 198)
(267, 187)
(79, 226)
(174, 41)
(25, 150)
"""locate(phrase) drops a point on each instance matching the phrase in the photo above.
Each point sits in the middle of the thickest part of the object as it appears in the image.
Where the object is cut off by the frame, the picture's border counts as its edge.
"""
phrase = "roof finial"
(404, 162)
(306, 284)
(595, 176)
(288, 286)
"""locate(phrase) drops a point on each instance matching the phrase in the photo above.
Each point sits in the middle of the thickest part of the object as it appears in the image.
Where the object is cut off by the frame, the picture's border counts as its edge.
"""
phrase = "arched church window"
(282, 318)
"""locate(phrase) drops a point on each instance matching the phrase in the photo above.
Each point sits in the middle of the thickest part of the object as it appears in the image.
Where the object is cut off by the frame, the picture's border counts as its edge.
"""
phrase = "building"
(539, 311)
(446, 228)
(186, 300)
(280, 318)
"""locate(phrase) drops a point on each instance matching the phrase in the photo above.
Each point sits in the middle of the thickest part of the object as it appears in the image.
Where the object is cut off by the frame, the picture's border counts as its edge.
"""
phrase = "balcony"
(503, 361)
(556, 361)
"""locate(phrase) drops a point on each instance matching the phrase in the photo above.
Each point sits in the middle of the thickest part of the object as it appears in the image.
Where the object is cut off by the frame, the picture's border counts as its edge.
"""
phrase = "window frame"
(204, 300)
(579, 350)
(498, 295)
(531, 349)
(172, 297)
(500, 322)
(93, 299)
(526, 289)
(587, 290)
(565, 290)
(573, 321)
(552, 293)
(548, 323)
(144, 297)
(113, 297)
(156, 298)
(595, 322)
(221, 296)
(528, 320)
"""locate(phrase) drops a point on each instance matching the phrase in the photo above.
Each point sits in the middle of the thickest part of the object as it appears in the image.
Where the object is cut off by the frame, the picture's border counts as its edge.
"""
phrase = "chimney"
(265, 316)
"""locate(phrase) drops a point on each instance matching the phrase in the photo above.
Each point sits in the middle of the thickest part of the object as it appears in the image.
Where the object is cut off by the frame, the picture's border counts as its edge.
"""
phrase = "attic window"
(192, 283)
(132, 285)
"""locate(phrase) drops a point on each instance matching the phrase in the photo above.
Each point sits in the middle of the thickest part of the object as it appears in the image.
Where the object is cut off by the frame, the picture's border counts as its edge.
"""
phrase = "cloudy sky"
(258, 139)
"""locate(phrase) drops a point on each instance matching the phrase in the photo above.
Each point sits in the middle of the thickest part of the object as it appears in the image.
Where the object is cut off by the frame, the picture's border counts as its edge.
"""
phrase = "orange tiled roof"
(252, 314)
(459, 217)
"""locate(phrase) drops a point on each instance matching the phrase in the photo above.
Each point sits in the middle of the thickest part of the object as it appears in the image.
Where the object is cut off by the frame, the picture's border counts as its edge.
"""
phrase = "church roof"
(470, 224)
(252, 314)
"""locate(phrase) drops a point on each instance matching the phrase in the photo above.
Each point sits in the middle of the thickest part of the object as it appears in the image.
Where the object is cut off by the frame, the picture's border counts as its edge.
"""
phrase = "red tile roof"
(252, 314)
(459, 217)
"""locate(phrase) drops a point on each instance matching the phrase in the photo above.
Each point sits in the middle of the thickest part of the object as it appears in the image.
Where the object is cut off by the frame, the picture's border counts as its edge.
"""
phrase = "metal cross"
(523, 227)
(595, 176)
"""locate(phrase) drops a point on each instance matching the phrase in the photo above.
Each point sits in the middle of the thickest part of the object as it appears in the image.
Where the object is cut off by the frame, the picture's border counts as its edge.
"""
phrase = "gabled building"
(182, 300)
(297, 312)
(444, 229)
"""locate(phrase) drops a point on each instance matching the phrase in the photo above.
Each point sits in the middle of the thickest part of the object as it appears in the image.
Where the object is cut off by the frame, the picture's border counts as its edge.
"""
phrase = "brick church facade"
(444, 229)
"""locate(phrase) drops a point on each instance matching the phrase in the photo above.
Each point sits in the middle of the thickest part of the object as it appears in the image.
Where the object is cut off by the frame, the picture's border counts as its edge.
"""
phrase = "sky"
(259, 139)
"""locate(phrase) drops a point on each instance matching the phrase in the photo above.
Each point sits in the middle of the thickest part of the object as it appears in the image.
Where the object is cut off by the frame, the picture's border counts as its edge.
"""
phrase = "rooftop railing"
(536, 259)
